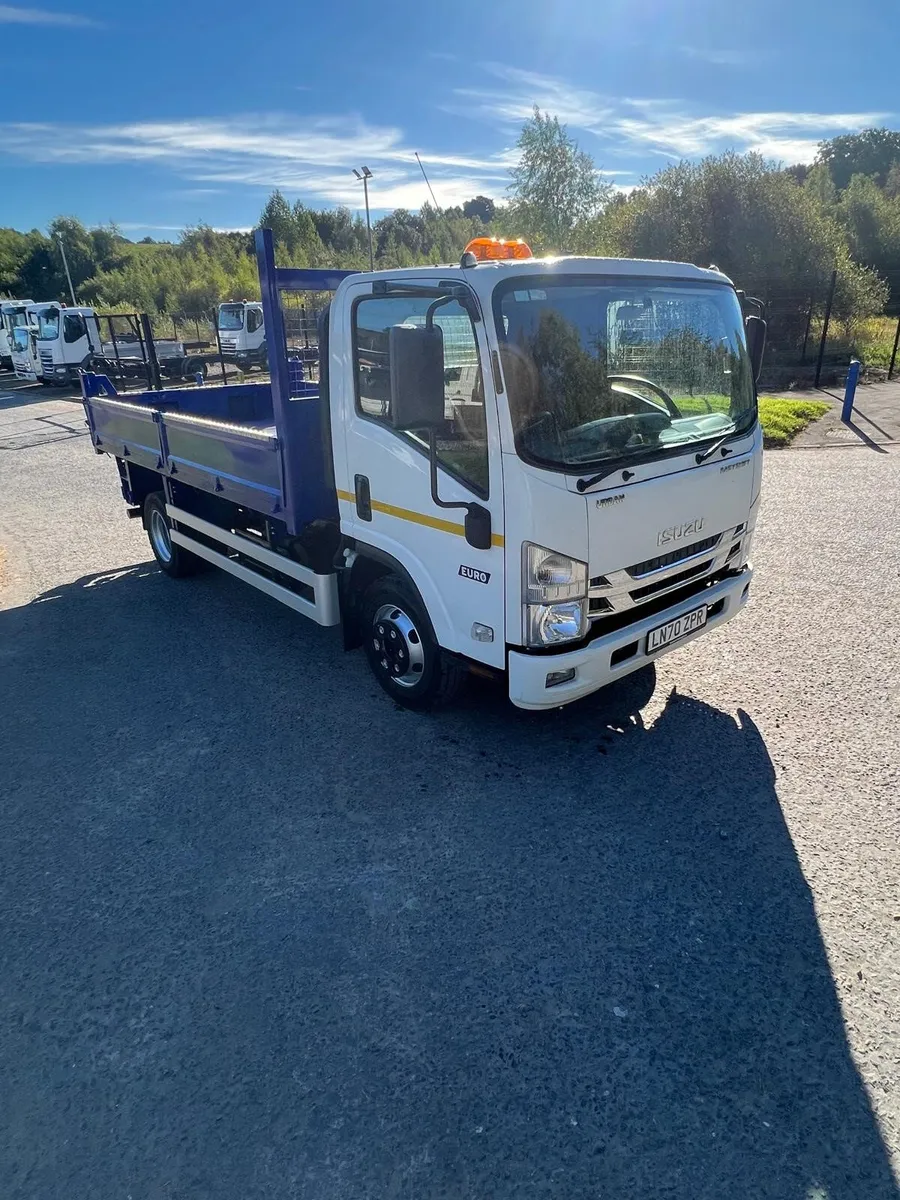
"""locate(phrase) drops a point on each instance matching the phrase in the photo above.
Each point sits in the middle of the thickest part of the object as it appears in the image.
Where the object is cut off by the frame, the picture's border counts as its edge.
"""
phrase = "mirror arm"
(478, 518)
(433, 467)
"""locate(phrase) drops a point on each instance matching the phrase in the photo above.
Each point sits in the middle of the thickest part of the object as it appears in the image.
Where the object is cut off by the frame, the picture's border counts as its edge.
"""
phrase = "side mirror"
(756, 343)
(416, 357)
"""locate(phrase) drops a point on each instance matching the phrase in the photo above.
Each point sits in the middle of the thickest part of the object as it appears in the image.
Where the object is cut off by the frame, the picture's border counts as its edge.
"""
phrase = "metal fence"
(811, 343)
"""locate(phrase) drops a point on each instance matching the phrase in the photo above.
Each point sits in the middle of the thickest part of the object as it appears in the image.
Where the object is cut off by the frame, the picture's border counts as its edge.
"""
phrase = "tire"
(194, 366)
(402, 650)
(174, 560)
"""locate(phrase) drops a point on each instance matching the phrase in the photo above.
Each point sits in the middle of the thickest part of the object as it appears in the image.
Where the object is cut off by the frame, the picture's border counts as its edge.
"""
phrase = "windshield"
(231, 317)
(48, 324)
(600, 370)
(17, 317)
(20, 337)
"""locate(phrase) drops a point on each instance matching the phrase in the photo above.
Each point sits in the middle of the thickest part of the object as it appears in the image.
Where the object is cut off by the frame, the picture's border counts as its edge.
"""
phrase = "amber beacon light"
(491, 249)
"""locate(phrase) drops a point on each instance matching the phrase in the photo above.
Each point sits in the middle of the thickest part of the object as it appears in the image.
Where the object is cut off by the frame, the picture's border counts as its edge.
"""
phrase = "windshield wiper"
(583, 484)
(710, 450)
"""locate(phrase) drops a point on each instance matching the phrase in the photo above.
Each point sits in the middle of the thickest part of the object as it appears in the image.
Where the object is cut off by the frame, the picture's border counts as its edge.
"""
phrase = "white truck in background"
(242, 333)
(25, 358)
(67, 339)
(12, 314)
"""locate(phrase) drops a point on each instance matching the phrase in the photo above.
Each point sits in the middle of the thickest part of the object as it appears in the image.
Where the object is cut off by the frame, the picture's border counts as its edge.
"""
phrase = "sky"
(158, 116)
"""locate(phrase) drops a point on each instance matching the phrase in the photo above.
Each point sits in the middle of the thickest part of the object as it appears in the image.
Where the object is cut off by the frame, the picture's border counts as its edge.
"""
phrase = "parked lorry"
(473, 484)
(242, 333)
(67, 338)
(13, 313)
(25, 356)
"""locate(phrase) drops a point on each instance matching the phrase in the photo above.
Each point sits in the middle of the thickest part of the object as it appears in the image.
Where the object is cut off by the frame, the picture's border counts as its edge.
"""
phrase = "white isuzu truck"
(547, 471)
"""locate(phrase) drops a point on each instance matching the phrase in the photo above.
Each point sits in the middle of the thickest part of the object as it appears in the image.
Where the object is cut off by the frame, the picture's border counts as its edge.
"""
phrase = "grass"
(782, 420)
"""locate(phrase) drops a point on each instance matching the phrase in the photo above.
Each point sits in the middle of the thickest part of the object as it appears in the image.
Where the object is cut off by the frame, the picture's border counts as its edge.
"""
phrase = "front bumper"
(593, 664)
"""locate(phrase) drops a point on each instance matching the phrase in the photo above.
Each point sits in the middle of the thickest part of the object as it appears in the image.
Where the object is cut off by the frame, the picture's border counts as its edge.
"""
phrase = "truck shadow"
(278, 930)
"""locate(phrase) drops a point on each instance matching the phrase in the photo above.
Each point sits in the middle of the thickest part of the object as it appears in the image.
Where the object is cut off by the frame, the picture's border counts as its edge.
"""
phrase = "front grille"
(228, 343)
(674, 556)
(47, 359)
(671, 581)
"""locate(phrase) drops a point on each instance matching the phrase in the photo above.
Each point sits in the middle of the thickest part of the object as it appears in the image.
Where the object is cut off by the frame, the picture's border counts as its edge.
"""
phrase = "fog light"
(556, 677)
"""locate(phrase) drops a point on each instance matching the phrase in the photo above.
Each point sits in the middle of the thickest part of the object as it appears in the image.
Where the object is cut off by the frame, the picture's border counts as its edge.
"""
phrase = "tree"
(750, 219)
(870, 152)
(555, 187)
(277, 216)
(871, 219)
(482, 208)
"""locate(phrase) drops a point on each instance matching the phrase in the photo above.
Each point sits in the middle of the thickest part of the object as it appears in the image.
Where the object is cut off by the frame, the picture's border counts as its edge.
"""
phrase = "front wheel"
(402, 651)
(174, 560)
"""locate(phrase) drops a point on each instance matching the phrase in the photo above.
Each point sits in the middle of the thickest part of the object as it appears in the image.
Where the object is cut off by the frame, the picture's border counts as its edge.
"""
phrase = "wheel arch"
(369, 564)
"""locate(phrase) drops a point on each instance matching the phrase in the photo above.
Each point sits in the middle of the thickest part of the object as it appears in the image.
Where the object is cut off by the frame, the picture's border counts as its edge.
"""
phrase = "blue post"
(850, 390)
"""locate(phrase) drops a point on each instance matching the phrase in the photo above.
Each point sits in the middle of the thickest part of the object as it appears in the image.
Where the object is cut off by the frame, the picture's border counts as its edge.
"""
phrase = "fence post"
(850, 390)
(824, 339)
(894, 351)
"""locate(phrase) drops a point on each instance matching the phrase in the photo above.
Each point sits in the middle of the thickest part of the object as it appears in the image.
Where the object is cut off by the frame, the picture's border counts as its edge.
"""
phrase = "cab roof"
(568, 265)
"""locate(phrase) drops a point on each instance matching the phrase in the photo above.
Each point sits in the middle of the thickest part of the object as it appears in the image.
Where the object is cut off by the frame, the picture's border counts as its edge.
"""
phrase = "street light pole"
(365, 177)
(62, 246)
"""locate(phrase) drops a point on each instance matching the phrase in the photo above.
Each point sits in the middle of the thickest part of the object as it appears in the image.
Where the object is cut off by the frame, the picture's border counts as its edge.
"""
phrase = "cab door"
(383, 482)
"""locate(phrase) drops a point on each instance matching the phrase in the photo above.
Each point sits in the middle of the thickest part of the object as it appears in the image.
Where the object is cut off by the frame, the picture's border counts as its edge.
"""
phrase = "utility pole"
(365, 177)
(62, 247)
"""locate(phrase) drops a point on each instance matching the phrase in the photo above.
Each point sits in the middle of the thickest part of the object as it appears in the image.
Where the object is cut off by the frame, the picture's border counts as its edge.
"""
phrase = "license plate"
(679, 628)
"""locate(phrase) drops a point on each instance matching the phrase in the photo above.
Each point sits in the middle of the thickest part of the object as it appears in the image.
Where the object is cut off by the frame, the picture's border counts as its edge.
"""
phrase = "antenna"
(437, 207)
(425, 177)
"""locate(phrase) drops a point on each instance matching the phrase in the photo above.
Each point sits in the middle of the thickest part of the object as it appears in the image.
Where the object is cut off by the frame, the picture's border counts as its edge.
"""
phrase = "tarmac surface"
(267, 936)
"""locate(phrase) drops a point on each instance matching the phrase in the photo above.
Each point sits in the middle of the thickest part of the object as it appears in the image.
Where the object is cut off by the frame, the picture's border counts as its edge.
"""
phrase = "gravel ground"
(265, 935)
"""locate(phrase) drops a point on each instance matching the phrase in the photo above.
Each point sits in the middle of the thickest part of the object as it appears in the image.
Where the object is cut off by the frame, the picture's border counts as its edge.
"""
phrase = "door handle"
(363, 497)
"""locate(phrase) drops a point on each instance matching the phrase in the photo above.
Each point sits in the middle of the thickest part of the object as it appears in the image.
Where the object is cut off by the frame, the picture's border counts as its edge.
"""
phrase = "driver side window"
(462, 439)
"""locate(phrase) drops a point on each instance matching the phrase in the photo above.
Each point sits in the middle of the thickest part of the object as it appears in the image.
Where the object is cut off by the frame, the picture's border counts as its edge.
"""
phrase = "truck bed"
(222, 439)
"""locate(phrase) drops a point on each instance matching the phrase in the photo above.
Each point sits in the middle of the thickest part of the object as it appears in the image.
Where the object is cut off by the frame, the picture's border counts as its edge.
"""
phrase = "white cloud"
(313, 157)
(634, 126)
(40, 16)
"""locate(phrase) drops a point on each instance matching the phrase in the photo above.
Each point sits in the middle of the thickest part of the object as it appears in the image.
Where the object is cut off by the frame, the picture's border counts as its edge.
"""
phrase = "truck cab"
(67, 338)
(241, 331)
(545, 471)
(13, 313)
(604, 429)
(25, 357)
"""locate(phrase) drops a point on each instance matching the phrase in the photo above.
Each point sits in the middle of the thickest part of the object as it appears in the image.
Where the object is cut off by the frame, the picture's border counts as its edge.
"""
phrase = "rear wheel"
(402, 651)
(174, 560)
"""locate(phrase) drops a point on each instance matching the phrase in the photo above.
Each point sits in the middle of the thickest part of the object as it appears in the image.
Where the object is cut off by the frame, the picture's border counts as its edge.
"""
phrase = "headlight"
(554, 591)
(549, 576)
(549, 624)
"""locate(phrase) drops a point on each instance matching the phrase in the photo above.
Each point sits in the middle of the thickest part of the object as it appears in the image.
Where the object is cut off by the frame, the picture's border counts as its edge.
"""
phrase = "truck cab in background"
(25, 358)
(67, 339)
(242, 333)
(13, 313)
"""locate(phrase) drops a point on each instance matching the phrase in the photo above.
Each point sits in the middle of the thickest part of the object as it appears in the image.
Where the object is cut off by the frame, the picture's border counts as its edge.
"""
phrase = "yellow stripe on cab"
(407, 514)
